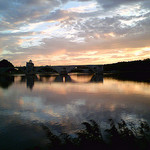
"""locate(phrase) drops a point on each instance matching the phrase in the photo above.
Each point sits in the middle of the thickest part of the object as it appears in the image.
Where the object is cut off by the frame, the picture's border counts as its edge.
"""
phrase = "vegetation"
(132, 70)
(131, 66)
(5, 63)
(119, 136)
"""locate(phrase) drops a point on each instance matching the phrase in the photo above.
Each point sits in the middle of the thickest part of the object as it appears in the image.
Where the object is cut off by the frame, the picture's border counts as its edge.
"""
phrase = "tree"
(5, 63)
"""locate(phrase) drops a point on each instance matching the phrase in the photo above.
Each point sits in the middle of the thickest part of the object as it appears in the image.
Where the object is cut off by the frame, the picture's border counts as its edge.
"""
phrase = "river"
(63, 103)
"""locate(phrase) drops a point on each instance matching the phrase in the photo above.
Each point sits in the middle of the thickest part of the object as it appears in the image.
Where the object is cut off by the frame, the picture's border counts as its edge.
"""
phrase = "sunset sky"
(64, 32)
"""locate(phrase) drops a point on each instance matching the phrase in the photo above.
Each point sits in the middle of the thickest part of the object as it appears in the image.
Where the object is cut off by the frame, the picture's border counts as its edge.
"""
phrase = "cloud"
(59, 31)
(109, 4)
(24, 11)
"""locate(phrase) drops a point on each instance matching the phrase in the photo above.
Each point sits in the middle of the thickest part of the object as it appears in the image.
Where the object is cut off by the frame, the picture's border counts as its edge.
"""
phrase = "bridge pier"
(97, 69)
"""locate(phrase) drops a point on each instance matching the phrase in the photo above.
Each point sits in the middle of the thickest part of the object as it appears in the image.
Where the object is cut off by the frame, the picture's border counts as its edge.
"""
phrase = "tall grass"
(120, 136)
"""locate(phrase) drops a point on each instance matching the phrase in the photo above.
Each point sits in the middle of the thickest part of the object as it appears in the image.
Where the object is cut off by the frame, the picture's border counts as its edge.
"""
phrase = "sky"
(74, 32)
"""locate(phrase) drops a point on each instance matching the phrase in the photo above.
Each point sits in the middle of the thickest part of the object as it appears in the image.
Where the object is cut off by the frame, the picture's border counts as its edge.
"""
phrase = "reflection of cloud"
(81, 79)
(21, 102)
(81, 101)
(74, 107)
(50, 112)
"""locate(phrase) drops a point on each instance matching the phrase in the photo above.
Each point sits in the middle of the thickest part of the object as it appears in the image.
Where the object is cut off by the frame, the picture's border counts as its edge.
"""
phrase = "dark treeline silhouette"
(6, 67)
(122, 136)
(132, 71)
(131, 66)
(5, 63)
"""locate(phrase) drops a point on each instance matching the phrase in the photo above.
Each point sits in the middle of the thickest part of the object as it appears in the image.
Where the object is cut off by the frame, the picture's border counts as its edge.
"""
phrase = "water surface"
(64, 103)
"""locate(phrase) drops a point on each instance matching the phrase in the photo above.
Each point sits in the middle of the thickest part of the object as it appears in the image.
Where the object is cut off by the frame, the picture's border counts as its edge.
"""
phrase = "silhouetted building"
(29, 67)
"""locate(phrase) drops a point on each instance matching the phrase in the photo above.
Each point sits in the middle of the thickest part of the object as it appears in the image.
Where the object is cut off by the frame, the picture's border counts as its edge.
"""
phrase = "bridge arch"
(44, 69)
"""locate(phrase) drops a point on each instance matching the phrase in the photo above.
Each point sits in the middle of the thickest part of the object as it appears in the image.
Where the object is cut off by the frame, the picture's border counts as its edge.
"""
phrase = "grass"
(120, 135)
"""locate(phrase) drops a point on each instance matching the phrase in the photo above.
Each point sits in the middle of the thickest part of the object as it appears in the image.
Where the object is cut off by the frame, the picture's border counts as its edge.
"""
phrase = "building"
(29, 67)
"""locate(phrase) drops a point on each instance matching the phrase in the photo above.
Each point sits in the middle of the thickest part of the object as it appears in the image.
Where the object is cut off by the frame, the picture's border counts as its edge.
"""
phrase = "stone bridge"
(64, 70)
(61, 70)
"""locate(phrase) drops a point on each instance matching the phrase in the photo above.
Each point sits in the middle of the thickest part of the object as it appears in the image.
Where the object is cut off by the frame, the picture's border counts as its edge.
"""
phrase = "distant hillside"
(5, 63)
(131, 66)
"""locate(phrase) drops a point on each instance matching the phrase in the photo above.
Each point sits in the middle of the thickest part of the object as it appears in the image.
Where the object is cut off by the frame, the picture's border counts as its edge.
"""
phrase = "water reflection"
(63, 78)
(6, 81)
(67, 78)
(75, 78)
(131, 76)
(29, 79)
(97, 78)
(65, 106)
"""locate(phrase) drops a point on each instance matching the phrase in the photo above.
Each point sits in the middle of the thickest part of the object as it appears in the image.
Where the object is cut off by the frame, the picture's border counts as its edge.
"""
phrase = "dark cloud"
(25, 10)
(109, 4)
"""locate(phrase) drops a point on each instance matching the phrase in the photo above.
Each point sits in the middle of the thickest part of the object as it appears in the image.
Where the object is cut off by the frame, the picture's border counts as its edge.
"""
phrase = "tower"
(29, 67)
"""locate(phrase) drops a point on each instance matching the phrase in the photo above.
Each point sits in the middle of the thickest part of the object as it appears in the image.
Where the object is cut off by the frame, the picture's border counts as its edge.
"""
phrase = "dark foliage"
(6, 63)
(140, 65)
(132, 71)
(119, 136)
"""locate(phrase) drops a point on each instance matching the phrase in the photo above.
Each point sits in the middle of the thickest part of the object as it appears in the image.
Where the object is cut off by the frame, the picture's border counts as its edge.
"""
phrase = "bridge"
(61, 70)
(64, 70)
